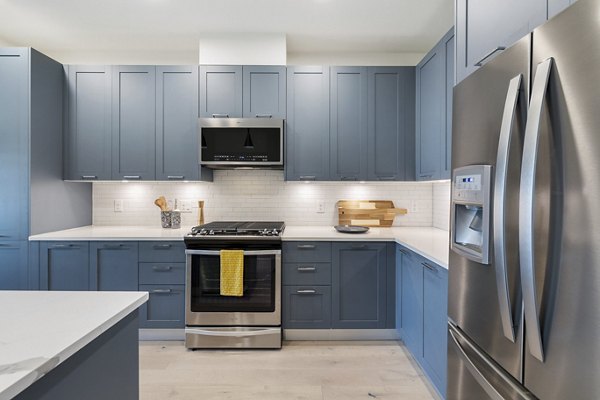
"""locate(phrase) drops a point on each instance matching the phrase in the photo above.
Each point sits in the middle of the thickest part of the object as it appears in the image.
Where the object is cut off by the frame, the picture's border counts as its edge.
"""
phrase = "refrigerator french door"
(528, 324)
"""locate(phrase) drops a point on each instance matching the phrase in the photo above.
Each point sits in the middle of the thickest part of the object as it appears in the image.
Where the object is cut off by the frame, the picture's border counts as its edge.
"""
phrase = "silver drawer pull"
(306, 246)
(131, 177)
(429, 267)
(162, 291)
(264, 116)
(307, 269)
(65, 246)
(175, 177)
(89, 177)
(220, 115)
(162, 269)
(162, 246)
(306, 291)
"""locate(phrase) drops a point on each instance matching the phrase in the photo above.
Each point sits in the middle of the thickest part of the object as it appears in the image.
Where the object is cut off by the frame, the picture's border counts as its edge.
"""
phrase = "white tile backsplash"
(441, 205)
(259, 195)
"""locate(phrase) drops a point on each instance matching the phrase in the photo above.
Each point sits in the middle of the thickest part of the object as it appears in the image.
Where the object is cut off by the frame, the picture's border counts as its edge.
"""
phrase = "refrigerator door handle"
(508, 117)
(526, 208)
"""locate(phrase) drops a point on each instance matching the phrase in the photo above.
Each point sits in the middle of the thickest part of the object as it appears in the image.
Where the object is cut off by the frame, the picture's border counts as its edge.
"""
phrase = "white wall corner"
(243, 49)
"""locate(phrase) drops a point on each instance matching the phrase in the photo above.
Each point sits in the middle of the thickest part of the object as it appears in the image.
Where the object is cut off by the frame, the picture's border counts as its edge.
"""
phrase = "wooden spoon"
(161, 202)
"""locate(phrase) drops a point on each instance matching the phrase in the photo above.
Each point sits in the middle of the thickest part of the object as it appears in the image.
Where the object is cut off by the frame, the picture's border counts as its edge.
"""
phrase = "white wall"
(361, 59)
(243, 49)
(257, 195)
(5, 43)
(441, 205)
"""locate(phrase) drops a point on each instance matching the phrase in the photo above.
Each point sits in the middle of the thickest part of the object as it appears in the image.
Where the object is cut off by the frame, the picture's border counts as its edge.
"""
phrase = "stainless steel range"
(250, 321)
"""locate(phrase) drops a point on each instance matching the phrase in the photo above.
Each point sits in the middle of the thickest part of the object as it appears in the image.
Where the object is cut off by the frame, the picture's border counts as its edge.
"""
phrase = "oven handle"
(246, 252)
(256, 332)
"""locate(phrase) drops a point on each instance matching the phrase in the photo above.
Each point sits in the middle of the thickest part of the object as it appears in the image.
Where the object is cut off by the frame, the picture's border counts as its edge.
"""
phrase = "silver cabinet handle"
(488, 55)
(307, 177)
(131, 177)
(477, 374)
(406, 253)
(386, 178)
(220, 115)
(162, 246)
(306, 291)
(359, 246)
(161, 268)
(162, 291)
(89, 177)
(348, 178)
(506, 128)
(526, 208)
(114, 246)
(264, 116)
(307, 269)
(430, 267)
(65, 246)
(175, 177)
(306, 246)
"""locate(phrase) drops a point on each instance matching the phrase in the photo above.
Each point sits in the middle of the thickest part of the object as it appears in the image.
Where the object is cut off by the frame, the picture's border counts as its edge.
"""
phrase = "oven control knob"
(275, 232)
(211, 232)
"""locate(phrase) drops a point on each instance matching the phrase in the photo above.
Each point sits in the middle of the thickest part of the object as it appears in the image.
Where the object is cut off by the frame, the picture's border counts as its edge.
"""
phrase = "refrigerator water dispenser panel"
(470, 214)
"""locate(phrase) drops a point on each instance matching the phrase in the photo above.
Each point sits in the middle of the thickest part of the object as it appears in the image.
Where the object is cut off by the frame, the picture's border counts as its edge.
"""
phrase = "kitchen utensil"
(368, 212)
(201, 212)
(351, 228)
(162, 203)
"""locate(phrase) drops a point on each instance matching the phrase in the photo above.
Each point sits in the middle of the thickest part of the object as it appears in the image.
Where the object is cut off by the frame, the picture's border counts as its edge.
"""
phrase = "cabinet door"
(307, 125)
(264, 91)
(165, 307)
(348, 129)
(412, 305)
(133, 123)
(64, 266)
(177, 123)
(399, 258)
(391, 123)
(431, 121)
(114, 266)
(435, 320)
(88, 142)
(306, 307)
(13, 265)
(359, 285)
(220, 91)
(483, 27)
(14, 134)
(448, 43)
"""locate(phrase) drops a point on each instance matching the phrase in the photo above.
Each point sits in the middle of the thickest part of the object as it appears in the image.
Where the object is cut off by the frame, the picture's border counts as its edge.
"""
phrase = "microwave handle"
(246, 253)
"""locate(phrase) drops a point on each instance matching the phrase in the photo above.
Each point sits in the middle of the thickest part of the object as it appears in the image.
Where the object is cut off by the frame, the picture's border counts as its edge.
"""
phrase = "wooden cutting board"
(368, 212)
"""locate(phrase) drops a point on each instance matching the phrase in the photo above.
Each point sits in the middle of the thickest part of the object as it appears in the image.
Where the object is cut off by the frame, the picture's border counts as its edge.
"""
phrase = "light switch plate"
(320, 207)
(185, 206)
(118, 207)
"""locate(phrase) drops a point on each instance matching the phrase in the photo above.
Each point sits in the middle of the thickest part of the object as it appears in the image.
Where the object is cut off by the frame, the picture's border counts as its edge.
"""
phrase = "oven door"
(260, 304)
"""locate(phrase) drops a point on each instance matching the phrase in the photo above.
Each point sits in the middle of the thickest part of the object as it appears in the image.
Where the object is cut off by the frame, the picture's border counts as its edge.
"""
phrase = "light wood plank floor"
(299, 371)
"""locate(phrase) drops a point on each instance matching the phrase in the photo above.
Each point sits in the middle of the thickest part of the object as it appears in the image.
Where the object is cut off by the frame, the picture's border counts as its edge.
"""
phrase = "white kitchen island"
(69, 345)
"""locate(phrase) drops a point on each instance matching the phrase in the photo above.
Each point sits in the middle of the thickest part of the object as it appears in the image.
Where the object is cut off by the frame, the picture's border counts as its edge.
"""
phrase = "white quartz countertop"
(431, 243)
(41, 329)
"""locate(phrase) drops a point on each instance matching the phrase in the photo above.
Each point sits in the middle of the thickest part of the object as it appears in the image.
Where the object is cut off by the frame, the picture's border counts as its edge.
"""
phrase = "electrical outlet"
(413, 206)
(118, 205)
(185, 206)
(320, 207)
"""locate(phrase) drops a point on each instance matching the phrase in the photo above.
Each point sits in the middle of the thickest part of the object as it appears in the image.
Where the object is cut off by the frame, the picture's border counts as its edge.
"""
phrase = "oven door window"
(259, 285)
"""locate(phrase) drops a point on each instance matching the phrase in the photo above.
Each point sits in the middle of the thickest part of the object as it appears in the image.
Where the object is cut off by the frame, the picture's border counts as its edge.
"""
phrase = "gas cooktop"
(237, 228)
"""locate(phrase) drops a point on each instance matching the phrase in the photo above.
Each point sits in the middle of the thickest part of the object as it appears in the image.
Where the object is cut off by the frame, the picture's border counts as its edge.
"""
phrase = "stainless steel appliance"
(528, 324)
(250, 321)
(229, 143)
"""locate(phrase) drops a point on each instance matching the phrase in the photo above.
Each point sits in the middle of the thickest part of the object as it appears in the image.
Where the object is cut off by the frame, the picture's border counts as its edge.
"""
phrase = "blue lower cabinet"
(412, 304)
(13, 265)
(435, 311)
(165, 307)
(398, 292)
(64, 266)
(359, 294)
(114, 266)
(306, 307)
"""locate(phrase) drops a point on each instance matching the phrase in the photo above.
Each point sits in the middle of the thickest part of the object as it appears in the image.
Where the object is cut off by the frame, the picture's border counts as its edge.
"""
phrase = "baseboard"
(161, 334)
(340, 334)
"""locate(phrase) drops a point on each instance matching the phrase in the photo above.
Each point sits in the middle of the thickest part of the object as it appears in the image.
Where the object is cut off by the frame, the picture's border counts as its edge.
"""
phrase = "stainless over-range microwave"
(227, 143)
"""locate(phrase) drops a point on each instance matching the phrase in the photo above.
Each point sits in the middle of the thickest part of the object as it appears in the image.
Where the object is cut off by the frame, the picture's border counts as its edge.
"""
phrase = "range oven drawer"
(256, 337)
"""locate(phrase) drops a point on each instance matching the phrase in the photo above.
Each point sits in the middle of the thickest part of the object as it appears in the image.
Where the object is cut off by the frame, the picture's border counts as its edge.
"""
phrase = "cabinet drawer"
(306, 307)
(162, 273)
(165, 307)
(307, 274)
(304, 252)
(160, 251)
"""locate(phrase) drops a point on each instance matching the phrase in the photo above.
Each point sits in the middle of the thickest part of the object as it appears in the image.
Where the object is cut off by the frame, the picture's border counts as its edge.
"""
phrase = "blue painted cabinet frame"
(264, 91)
(64, 266)
(220, 91)
(114, 266)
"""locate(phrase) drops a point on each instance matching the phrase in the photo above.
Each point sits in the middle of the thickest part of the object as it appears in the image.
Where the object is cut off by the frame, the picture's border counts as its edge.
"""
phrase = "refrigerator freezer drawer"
(472, 375)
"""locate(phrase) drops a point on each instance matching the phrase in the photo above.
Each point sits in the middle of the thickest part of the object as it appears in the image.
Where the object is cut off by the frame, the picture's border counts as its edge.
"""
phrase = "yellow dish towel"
(232, 273)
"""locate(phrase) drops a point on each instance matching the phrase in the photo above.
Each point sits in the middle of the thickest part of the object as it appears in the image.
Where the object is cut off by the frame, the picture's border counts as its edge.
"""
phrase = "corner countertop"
(431, 243)
(41, 329)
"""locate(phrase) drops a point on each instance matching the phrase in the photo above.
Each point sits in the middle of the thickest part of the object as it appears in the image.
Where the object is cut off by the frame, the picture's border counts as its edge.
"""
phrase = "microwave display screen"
(255, 145)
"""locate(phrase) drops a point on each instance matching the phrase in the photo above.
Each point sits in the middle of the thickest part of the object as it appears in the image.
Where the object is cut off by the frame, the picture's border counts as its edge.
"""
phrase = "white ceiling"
(411, 26)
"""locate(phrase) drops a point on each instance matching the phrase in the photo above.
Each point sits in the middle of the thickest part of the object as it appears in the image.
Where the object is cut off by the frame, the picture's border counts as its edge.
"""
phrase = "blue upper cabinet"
(220, 91)
(307, 124)
(264, 91)
(14, 146)
(434, 85)
(348, 132)
(359, 292)
(114, 266)
(177, 123)
(133, 123)
(391, 121)
(88, 141)
(485, 27)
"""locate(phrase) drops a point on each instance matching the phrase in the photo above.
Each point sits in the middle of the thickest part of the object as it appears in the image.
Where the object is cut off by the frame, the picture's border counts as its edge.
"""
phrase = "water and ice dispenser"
(470, 213)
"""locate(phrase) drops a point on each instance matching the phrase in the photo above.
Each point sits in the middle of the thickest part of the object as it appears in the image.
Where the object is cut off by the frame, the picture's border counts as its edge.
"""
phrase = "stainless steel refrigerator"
(524, 275)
